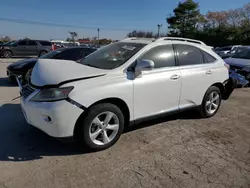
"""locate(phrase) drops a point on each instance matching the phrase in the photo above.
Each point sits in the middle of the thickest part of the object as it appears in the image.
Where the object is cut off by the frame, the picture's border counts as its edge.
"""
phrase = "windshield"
(245, 54)
(113, 55)
(10, 43)
(51, 54)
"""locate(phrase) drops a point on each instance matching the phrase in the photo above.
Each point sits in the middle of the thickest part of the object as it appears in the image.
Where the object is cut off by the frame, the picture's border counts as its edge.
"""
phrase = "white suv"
(94, 100)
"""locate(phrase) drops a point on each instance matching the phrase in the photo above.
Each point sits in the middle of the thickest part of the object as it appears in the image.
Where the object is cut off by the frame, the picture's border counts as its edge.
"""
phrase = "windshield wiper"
(91, 65)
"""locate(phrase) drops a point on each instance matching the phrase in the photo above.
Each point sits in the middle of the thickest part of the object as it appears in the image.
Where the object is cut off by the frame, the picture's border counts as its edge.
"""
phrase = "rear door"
(198, 71)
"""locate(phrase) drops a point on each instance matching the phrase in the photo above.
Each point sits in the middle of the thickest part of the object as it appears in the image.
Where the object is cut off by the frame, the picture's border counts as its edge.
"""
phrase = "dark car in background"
(21, 68)
(240, 66)
(226, 51)
(25, 47)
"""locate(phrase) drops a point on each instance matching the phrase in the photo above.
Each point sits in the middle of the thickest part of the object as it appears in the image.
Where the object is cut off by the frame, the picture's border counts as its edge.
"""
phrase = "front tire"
(102, 127)
(211, 102)
(7, 54)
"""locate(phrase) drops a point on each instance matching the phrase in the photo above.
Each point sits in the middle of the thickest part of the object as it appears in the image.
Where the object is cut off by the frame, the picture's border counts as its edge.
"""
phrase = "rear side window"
(208, 58)
(32, 43)
(162, 56)
(189, 55)
(45, 43)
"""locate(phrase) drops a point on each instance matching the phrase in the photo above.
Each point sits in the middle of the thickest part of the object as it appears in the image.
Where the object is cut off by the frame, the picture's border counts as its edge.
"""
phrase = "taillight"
(227, 66)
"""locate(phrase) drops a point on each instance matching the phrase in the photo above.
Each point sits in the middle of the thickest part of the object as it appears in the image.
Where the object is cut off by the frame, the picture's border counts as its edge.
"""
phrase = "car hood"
(237, 62)
(51, 72)
(23, 62)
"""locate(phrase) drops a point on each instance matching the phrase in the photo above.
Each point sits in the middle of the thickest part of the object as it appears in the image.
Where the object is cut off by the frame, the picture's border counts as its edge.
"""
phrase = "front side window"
(52, 54)
(23, 43)
(189, 55)
(162, 56)
(113, 55)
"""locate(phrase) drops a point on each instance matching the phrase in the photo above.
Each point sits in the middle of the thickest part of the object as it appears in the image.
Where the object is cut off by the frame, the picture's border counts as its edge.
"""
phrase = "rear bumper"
(229, 86)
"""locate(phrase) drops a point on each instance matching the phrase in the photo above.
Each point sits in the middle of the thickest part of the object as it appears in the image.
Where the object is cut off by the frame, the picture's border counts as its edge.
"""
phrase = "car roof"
(138, 40)
(78, 47)
(168, 39)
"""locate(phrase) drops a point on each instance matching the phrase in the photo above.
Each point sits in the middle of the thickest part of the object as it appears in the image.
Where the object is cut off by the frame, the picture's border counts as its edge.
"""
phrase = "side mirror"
(144, 64)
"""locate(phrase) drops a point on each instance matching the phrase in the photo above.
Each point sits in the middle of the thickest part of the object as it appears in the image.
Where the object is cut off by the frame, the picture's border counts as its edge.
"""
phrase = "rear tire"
(101, 127)
(211, 102)
(7, 54)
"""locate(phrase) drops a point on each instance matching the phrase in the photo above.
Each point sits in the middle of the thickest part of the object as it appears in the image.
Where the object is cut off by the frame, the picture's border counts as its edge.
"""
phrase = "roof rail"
(181, 39)
(138, 38)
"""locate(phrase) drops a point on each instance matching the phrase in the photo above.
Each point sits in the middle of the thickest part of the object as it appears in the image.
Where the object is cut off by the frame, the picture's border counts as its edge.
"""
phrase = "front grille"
(27, 91)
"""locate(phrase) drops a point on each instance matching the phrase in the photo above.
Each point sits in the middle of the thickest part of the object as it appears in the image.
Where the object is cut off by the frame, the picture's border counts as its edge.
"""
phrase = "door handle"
(175, 77)
(209, 72)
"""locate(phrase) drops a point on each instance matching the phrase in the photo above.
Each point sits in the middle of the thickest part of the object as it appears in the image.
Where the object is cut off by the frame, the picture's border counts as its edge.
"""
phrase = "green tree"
(144, 34)
(185, 20)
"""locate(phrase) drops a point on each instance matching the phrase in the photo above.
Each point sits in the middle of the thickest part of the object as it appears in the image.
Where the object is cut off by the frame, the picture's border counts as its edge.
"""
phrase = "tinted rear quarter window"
(189, 55)
(162, 56)
(208, 58)
(45, 43)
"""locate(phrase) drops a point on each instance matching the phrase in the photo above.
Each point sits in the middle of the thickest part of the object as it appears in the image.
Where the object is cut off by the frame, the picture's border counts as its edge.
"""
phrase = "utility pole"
(98, 31)
(159, 27)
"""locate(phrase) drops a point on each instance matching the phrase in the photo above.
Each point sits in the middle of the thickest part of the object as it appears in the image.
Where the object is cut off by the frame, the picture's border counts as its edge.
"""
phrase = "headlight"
(52, 94)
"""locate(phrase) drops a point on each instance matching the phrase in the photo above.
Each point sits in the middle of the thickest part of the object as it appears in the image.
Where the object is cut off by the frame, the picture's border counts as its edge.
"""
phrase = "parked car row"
(21, 68)
(94, 99)
(229, 51)
(240, 66)
(25, 48)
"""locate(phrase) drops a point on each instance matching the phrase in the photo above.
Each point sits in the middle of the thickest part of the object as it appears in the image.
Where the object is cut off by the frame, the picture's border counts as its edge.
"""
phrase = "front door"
(26, 48)
(157, 91)
(32, 48)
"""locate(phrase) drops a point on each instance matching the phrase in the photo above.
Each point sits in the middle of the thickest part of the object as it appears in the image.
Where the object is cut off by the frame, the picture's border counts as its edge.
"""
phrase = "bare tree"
(217, 19)
(233, 17)
(73, 35)
(245, 14)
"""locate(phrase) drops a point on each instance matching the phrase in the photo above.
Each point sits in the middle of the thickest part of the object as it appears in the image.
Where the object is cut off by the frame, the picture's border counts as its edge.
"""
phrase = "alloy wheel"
(7, 54)
(104, 128)
(212, 102)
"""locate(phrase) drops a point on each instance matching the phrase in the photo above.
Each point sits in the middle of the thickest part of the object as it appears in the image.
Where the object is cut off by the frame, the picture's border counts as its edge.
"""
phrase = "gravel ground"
(175, 151)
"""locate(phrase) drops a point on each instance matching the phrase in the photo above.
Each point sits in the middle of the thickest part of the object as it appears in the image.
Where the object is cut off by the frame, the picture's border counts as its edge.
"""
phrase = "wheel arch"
(220, 86)
(113, 100)
(42, 51)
